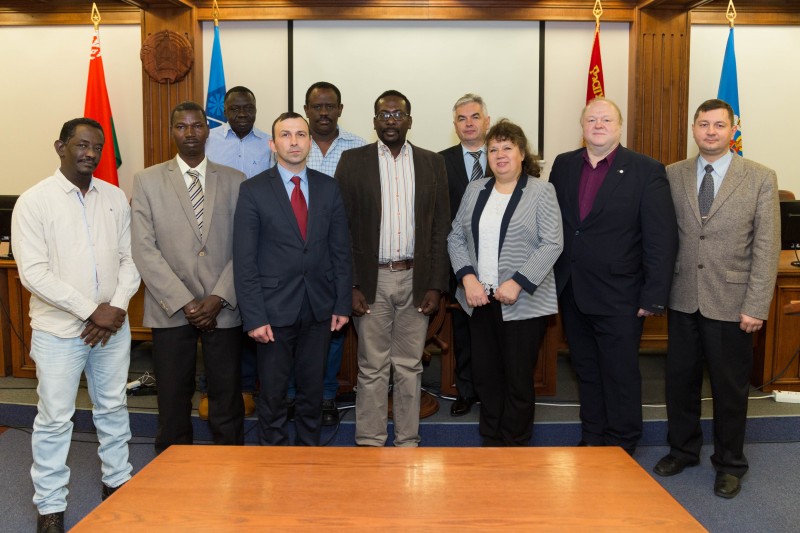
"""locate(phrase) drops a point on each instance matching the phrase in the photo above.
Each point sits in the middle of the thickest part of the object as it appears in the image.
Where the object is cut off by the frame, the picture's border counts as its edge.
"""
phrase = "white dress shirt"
(397, 204)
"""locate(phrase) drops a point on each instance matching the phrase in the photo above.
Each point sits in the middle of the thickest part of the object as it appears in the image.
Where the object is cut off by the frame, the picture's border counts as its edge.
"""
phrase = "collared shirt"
(397, 204)
(327, 163)
(721, 166)
(469, 161)
(286, 177)
(201, 169)
(250, 155)
(73, 252)
(592, 179)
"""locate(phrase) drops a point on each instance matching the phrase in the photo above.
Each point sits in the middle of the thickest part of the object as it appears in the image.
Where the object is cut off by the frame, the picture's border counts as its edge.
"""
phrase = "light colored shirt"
(250, 155)
(201, 170)
(327, 163)
(286, 177)
(397, 204)
(489, 239)
(469, 161)
(73, 252)
(720, 169)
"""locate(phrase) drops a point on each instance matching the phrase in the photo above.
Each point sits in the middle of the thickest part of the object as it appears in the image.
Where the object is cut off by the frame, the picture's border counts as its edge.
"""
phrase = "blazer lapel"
(283, 201)
(733, 178)
(613, 178)
(573, 187)
(175, 177)
(688, 176)
(513, 202)
(480, 204)
(210, 193)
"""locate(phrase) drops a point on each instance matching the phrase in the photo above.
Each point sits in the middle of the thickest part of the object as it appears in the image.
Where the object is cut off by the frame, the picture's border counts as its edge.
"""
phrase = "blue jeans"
(59, 364)
(334, 362)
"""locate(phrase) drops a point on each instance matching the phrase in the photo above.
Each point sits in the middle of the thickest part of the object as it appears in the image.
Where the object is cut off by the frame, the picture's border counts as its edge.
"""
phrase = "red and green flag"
(98, 108)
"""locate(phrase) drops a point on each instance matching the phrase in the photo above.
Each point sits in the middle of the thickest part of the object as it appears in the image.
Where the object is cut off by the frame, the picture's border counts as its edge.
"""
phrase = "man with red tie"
(293, 278)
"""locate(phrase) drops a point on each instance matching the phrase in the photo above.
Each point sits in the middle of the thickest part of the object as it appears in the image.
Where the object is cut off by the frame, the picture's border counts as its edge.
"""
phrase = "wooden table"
(220, 489)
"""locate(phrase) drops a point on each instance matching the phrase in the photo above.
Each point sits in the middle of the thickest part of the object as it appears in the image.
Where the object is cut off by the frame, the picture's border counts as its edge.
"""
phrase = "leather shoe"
(50, 523)
(583, 443)
(202, 409)
(669, 465)
(249, 403)
(330, 414)
(727, 485)
(108, 491)
(461, 406)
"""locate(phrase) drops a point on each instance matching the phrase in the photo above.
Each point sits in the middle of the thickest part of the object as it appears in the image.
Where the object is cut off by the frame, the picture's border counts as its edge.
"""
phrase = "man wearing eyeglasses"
(397, 204)
(620, 243)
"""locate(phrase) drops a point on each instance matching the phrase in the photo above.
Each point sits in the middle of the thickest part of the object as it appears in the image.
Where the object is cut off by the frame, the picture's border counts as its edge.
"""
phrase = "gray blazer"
(176, 264)
(531, 240)
(728, 265)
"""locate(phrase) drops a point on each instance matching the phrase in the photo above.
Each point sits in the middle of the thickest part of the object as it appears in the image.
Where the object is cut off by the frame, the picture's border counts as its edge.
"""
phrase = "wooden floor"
(220, 489)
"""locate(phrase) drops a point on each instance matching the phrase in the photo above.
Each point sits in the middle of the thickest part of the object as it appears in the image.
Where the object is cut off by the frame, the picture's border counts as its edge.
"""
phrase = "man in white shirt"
(72, 243)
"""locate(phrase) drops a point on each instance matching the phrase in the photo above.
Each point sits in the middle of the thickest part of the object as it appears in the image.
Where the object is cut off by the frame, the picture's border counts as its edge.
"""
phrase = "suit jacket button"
(577, 232)
(202, 254)
(699, 266)
(702, 237)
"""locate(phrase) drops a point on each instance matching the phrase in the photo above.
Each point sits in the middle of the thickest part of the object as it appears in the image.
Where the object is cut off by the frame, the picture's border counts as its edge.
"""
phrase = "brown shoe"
(50, 523)
(202, 409)
(249, 403)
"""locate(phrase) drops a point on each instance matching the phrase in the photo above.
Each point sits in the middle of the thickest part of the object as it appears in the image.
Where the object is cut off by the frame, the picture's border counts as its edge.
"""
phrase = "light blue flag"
(729, 91)
(215, 99)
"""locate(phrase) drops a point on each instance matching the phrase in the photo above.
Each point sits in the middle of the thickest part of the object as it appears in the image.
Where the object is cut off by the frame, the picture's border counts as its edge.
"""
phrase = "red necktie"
(299, 207)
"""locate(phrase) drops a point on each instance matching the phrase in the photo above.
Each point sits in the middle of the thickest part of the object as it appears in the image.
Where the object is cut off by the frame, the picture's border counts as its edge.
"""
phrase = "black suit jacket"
(273, 266)
(457, 179)
(621, 256)
(359, 177)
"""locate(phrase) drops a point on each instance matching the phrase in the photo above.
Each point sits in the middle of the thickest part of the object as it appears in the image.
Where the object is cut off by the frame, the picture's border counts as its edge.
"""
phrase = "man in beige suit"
(729, 235)
(182, 226)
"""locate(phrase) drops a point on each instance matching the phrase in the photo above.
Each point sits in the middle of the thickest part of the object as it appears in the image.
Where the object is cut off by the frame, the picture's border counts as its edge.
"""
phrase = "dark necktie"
(706, 195)
(477, 171)
(299, 207)
(196, 197)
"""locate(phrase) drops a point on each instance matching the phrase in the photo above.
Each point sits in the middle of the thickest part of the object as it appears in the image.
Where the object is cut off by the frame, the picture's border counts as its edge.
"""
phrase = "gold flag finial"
(730, 14)
(95, 16)
(215, 13)
(597, 12)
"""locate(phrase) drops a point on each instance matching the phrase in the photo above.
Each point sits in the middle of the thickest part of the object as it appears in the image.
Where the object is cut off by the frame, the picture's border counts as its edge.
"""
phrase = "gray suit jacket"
(728, 265)
(531, 240)
(176, 264)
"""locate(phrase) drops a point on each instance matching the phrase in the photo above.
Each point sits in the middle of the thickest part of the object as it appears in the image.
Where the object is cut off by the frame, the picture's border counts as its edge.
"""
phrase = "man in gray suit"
(182, 226)
(729, 231)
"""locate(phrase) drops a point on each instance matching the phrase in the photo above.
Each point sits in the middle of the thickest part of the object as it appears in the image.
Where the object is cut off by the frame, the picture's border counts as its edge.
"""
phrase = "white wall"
(769, 85)
(45, 69)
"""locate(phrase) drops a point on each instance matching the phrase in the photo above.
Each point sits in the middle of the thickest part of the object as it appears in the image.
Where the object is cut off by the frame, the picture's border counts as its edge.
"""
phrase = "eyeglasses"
(383, 116)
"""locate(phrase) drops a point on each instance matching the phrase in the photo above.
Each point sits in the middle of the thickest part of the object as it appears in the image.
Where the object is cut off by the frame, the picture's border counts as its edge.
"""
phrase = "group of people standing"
(267, 263)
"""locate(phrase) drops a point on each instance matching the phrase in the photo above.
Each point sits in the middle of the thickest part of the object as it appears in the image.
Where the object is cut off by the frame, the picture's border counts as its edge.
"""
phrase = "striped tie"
(706, 195)
(477, 171)
(196, 197)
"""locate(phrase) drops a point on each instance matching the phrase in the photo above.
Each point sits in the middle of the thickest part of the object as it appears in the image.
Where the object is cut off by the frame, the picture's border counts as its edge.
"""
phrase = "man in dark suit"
(464, 162)
(397, 206)
(182, 227)
(620, 242)
(293, 276)
(729, 228)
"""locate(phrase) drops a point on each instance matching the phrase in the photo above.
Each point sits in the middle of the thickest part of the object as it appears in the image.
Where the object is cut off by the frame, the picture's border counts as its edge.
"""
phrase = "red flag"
(595, 87)
(98, 108)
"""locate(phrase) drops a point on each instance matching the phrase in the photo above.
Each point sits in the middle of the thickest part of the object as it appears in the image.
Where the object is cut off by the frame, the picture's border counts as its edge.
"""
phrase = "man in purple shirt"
(620, 243)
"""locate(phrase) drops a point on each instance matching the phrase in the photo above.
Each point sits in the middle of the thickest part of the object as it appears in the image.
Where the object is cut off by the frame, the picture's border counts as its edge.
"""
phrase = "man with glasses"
(396, 199)
(620, 242)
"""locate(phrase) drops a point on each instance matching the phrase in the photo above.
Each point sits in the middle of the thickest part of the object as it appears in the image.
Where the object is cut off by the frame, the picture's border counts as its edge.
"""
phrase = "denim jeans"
(59, 364)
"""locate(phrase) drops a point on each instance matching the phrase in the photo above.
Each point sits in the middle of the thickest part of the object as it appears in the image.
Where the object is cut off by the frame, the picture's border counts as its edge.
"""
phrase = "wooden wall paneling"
(19, 298)
(6, 333)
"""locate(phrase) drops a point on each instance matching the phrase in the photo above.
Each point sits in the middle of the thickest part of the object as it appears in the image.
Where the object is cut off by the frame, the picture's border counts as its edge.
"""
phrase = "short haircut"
(714, 103)
(238, 89)
(505, 130)
(69, 127)
(285, 116)
(470, 98)
(186, 106)
(324, 85)
(602, 99)
(397, 94)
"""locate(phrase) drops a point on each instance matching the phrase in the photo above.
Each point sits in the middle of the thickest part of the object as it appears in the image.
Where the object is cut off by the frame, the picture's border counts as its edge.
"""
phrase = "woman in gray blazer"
(503, 244)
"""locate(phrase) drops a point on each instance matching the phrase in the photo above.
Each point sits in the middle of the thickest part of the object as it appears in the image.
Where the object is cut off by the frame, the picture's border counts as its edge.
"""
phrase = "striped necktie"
(196, 197)
(706, 195)
(477, 171)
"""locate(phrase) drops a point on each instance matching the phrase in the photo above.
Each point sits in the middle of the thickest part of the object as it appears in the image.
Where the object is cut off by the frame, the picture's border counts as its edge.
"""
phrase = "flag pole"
(730, 14)
(597, 12)
(215, 13)
(95, 16)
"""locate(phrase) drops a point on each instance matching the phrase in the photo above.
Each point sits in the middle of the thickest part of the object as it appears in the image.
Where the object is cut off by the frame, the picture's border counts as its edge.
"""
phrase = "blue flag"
(729, 91)
(215, 100)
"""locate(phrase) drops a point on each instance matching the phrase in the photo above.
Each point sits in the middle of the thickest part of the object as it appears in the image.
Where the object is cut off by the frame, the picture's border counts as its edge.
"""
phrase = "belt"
(396, 266)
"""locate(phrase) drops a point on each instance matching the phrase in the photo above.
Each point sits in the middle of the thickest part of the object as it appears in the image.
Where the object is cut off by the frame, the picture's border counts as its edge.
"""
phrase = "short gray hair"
(468, 99)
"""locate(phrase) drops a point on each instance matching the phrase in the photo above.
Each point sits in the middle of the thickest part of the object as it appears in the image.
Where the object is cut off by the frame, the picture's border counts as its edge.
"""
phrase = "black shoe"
(727, 485)
(583, 443)
(461, 406)
(50, 523)
(669, 465)
(289, 408)
(108, 491)
(330, 414)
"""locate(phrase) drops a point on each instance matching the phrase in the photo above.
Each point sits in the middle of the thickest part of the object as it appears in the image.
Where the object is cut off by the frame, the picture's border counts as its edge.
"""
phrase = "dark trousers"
(604, 351)
(728, 353)
(303, 346)
(462, 348)
(174, 362)
(504, 358)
